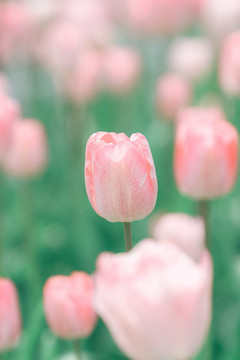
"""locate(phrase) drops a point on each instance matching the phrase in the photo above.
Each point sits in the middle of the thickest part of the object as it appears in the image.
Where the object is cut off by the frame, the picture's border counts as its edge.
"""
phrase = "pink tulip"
(183, 230)
(10, 316)
(9, 114)
(191, 57)
(121, 69)
(154, 16)
(229, 66)
(172, 92)
(26, 154)
(67, 302)
(120, 176)
(155, 300)
(206, 153)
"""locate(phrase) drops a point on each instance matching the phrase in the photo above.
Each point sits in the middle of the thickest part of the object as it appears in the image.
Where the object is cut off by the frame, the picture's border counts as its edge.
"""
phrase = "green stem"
(203, 208)
(77, 349)
(128, 236)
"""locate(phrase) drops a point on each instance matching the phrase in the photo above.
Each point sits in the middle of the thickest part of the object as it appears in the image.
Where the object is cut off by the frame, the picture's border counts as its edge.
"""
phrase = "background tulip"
(26, 154)
(67, 304)
(10, 317)
(153, 297)
(120, 176)
(183, 230)
(206, 153)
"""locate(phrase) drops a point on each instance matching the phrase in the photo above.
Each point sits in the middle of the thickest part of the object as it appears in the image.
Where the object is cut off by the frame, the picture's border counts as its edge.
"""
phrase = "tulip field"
(119, 184)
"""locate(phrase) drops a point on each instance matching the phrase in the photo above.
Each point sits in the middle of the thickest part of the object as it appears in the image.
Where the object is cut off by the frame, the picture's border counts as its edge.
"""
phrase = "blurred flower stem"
(203, 209)
(77, 349)
(128, 236)
(27, 212)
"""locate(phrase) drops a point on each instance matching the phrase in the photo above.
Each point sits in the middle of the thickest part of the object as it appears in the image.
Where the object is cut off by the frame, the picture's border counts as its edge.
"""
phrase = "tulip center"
(108, 139)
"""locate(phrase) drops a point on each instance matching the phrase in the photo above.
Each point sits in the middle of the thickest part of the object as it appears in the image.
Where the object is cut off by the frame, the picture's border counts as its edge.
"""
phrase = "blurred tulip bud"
(185, 231)
(9, 114)
(153, 297)
(172, 92)
(121, 69)
(206, 153)
(191, 57)
(26, 154)
(229, 65)
(220, 17)
(10, 316)
(154, 16)
(67, 302)
(120, 176)
(83, 82)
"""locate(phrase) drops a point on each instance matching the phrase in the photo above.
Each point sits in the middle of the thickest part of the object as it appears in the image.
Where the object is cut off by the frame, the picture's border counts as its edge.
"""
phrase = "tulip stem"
(204, 212)
(77, 349)
(128, 235)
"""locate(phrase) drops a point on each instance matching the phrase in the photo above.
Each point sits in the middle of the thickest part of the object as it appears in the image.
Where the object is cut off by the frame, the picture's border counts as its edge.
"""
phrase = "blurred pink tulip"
(67, 302)
(185, 231)
(9, 114)
(120, 176)
(172, 92)
(10, 316)
(26, 154)
(155, 300)
(206, 153)
(220, 17)
(229, 65)
(4, 84)
(14, 28)
(191, 57)
(83, 82)
(121, 69)
(154, 16)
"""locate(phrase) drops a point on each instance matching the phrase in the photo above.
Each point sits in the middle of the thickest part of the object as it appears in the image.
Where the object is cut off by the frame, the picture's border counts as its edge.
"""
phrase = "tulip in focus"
(9, 114)
(155, 300)
(229, 65)
(185, 231)
(206, 153)
(191, 57)
(26, 155)
(120, 176)
(172, 92)
(10, 316)
(67, 302)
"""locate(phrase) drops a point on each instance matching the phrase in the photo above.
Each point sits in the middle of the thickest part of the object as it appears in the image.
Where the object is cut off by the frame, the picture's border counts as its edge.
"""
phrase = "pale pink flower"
(10, 316)
(206, 153)
(26, 154)
(67, 302)
(229, 64)
(185, 231)
(173, 91)
(9, 114)
(154, 16)
(155, 300)
(191, 57)
(121, 69)
(120, 176)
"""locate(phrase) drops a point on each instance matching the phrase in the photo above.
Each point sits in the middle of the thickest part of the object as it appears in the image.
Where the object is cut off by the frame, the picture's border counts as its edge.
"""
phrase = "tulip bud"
(26, 154)
(173, 92)
(121, 69)
(67, 302)
(206, 153)
(10, 316)
(229, 66)
(9, 113)
(185, 231)
(120, 176)
(191, 57)
(155, 297)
